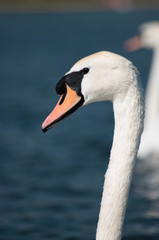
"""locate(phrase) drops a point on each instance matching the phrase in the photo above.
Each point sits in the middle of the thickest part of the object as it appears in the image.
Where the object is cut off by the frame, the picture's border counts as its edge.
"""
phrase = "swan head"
(98, 77)
(147, 37)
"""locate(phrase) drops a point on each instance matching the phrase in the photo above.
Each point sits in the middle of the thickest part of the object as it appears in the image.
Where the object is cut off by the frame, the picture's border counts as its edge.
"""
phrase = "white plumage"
(148, 37)
(114, 78)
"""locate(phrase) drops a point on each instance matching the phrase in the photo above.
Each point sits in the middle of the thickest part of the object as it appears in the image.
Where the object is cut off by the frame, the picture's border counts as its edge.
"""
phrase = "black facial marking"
(73, 80)
(61, 86)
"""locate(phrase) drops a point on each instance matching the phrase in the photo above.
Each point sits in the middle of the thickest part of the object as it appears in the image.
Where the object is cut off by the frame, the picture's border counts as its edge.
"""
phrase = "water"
(51, 184)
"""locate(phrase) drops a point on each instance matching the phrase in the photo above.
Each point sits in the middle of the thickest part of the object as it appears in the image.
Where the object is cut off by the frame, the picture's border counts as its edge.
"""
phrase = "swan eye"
(85, 70)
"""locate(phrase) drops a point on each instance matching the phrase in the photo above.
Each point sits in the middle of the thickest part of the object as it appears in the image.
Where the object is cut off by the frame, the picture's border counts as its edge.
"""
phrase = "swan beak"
(133, 44)
(67, 104)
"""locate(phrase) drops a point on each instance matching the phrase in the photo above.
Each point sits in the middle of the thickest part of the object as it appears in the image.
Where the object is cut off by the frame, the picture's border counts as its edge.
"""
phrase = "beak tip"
(44, 130)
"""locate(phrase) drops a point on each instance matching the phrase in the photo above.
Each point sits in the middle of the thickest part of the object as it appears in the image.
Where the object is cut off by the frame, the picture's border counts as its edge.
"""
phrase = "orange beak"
(133, 44)
(66, 105)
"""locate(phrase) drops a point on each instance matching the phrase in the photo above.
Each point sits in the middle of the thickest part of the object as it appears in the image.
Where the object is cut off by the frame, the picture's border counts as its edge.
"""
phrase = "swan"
(148, 37)
(98, 77)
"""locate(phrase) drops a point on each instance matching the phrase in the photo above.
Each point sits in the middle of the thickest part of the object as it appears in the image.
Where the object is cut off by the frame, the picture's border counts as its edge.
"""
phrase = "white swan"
(98, 77)
(148, 37)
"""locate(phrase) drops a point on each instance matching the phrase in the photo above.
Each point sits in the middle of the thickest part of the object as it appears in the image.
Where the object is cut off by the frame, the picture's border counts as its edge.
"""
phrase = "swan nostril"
(63, 97)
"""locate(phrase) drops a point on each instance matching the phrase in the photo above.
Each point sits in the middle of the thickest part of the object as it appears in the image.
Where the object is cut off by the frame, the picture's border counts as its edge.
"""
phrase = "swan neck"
(152, 92)
(128, 114)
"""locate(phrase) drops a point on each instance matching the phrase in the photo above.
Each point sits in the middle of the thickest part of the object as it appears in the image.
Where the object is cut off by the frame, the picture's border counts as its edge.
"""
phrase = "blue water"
(51, 184)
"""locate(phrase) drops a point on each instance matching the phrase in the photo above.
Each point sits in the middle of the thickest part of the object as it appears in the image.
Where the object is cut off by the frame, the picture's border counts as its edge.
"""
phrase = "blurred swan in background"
(148, 37)
(98, 77)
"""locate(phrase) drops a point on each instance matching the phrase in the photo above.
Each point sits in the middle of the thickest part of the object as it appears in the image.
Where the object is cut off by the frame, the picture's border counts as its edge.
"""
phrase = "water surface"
(51, 184)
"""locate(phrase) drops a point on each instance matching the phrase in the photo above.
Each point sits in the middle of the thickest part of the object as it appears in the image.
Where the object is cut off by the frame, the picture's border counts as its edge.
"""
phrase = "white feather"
(149, 37)
(114, 78)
